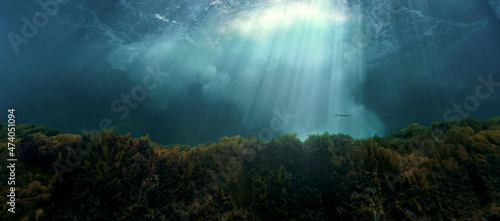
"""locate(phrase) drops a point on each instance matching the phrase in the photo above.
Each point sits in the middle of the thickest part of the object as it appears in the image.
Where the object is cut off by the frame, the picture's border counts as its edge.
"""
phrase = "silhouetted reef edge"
(448, 171)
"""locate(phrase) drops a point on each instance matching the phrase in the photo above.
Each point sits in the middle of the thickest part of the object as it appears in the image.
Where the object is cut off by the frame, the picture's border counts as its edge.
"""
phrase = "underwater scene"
(250, 110)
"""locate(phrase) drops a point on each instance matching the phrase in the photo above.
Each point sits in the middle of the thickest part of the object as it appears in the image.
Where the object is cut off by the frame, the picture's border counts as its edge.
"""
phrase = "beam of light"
(289, 56)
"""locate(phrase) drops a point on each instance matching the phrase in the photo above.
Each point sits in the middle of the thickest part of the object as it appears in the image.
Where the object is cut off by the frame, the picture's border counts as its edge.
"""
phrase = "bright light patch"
(288, 56)
(282, 16)
(158, 16)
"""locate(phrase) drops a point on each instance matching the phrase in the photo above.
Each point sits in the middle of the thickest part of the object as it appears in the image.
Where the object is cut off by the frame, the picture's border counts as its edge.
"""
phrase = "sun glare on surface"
(283, 16)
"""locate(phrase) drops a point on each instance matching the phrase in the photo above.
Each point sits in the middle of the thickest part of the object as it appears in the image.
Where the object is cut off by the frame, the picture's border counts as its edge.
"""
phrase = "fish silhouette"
(342, 115)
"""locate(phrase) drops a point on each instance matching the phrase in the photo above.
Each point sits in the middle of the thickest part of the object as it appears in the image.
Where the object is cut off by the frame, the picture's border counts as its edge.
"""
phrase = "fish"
(342, 115)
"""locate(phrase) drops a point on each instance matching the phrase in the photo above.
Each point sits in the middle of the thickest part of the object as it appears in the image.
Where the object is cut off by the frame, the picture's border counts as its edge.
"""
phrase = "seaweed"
(446, 171)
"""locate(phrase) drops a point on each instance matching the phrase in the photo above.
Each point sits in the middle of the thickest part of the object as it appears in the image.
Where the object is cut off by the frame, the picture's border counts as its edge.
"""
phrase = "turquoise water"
(194, 71)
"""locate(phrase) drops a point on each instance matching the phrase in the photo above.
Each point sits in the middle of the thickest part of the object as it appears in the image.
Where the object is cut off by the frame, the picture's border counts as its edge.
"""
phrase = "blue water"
(194, 71)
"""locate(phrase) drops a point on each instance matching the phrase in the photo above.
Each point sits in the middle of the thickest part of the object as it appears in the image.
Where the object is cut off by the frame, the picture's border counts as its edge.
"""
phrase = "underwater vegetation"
(448, 171)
